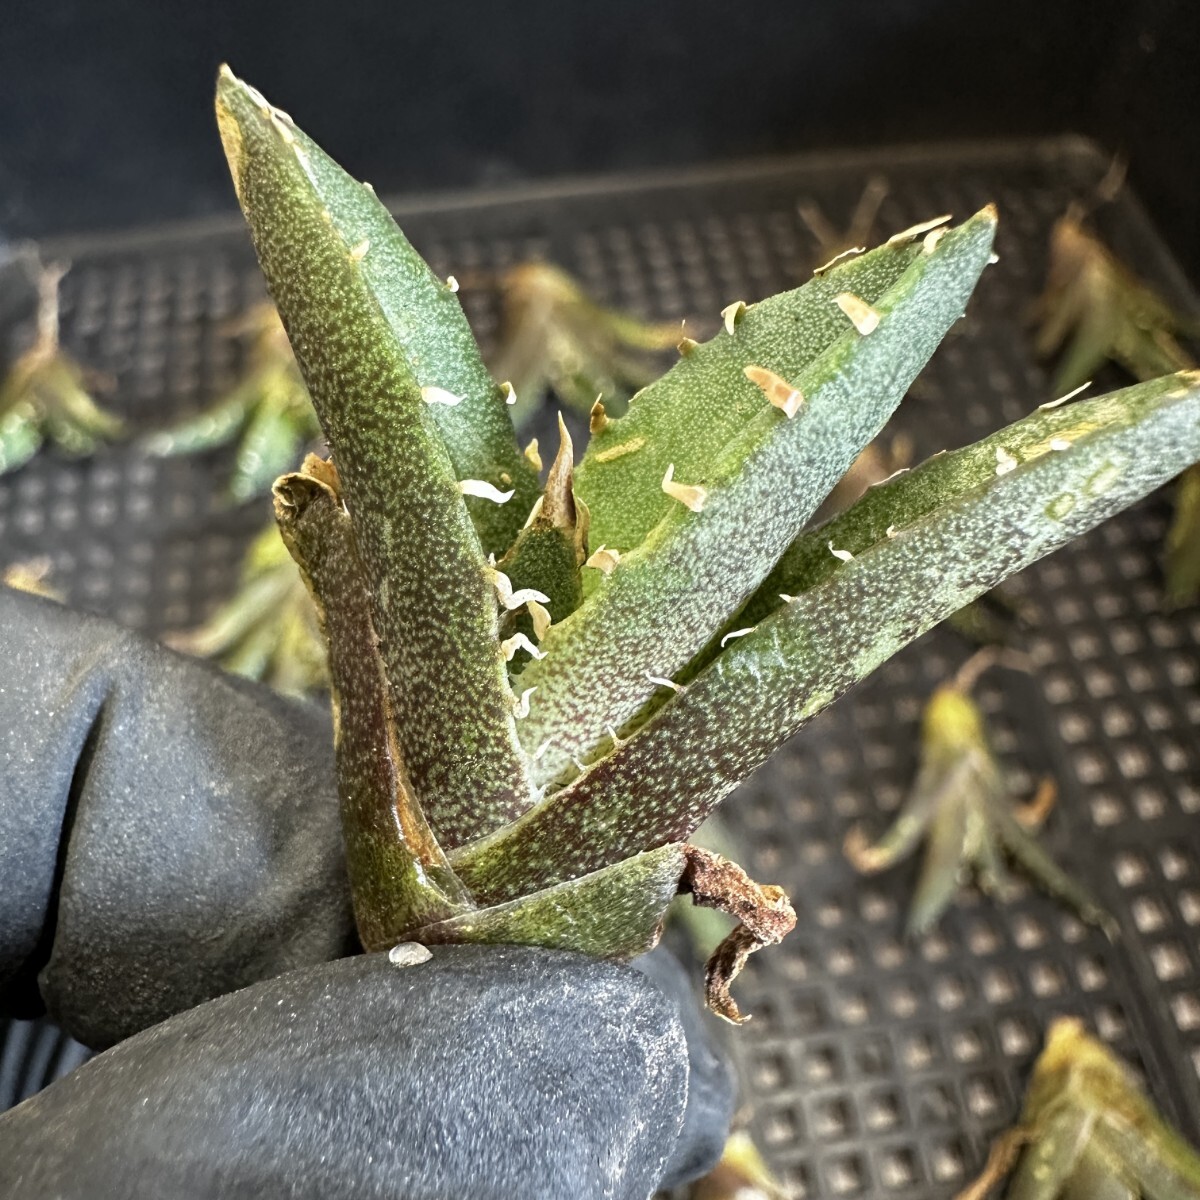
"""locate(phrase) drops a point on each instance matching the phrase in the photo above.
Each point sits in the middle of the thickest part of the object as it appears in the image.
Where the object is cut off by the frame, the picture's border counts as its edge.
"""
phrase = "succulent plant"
(541, 787)
(961, 804)
(268, 411)
(268, 628)
(555, 336)
(45, 396)
(1101, 312)
(1088, 1132)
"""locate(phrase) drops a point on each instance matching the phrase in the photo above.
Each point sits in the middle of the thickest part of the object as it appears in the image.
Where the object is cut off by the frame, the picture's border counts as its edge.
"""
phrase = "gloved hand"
(169, 834)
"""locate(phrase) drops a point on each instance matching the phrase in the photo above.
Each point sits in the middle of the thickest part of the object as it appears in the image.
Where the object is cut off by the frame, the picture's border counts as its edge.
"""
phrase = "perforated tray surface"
(874, 1066)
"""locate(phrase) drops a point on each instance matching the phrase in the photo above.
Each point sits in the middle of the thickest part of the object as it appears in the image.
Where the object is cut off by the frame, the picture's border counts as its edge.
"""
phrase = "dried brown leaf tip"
(1087, 1130)
(763, 911)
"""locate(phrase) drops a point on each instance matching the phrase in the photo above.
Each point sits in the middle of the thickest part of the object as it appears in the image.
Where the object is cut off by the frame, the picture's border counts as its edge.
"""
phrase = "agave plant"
(555, 336)
(1088, 1132)
(268, 628)
(960, 803)
(1099, 311)
(540, 787)
(268, 412)
(45, 396)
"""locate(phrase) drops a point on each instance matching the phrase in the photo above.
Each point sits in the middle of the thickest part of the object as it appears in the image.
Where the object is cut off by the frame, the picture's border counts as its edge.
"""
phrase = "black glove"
(169, 834)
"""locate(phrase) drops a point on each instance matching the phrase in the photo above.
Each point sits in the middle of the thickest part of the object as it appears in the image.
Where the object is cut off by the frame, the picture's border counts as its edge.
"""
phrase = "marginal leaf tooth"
(862, 316)
(603, 559)
(505, 478)
(844, 555)
(894, 475)
(788, 399)
(687, 347)
(735, 633)
(452, 284)
(891, 531)
(519, 641)
(521, 708)
(370, 187)
(437, 395)
(541, 617)
(993, 259)
(514, 600)
(540, 752)
(617, 742)
(731, 314)
(1083, 387)
(662, 681)
(690, 495)
(532, 456)
(914, 231)
(281, 127)
(359, 252)
(844, 256)
(484, 490)
(510, 393)
(786, 598)
(1060, 444)
(1005, 462)
(597, 418)
(629, 447)
(930, 241)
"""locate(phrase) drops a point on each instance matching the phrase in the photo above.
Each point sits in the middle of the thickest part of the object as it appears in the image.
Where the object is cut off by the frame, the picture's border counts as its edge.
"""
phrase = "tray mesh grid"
(875, 1066)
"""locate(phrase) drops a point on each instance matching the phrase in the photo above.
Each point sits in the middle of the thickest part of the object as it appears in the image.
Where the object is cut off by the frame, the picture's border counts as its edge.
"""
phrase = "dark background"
(105, 108)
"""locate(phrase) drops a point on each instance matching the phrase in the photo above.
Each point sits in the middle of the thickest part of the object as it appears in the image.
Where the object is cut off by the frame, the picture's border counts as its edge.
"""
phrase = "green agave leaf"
(959, 525)
(615, 912)
(338, 277)
(399, 876)
(724, 529)
(20, 437)
(282, 177)
(1182, 566)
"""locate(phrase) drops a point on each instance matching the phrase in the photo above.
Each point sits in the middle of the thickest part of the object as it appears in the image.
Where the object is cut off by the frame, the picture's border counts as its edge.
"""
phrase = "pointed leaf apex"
(558, 507)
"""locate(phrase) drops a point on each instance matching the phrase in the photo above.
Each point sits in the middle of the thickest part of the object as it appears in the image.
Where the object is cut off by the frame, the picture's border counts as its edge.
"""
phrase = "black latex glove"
(169, 834)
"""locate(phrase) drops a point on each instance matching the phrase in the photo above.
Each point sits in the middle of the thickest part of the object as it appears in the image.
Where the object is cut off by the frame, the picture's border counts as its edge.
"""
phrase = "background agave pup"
(541, 691)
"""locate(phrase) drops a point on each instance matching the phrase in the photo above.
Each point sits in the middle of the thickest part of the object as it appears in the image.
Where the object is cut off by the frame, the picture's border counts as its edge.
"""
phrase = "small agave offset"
(540, 691)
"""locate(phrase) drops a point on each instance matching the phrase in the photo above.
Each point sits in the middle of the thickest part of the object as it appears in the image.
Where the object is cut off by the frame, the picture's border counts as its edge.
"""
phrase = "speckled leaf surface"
(433, 598)
(1062, 472)
(690, 415)
(661, 603)
(398, 874)
(614, 912)
(422, 313)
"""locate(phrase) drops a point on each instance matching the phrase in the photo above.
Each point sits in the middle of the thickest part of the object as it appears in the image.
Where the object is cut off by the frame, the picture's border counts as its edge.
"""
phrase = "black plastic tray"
(875, 1067)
